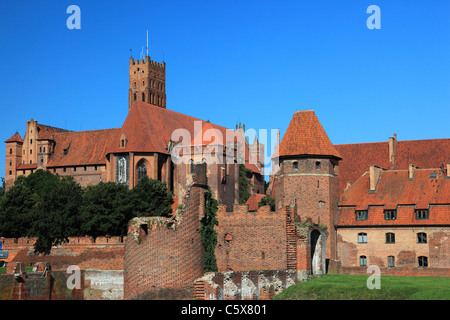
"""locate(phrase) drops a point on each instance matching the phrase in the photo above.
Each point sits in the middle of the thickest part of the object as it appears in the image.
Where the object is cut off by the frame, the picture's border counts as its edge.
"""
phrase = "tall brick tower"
(13, 158)
(147, 82)
(308, 173)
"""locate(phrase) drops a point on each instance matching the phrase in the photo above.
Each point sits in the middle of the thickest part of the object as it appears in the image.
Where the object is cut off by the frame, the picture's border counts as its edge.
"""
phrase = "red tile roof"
(395, 189)
(46, 132)
(15, 138)
(26, 167)
(84, 147)
(149, 128)
(356, 158)
(306, 136)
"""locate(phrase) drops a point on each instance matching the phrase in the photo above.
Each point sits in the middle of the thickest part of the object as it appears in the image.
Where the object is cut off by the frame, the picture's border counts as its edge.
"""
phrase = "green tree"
(106, 210)
(15, 208)
(208, 233)
(267, 200)
(55, 214)
(151, 198)
(245, 186)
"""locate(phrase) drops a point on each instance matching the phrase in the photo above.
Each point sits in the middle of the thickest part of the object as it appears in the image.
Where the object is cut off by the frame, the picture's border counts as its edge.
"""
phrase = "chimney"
(374, 176)
(412, 169)
(392, 149)
(448, 170)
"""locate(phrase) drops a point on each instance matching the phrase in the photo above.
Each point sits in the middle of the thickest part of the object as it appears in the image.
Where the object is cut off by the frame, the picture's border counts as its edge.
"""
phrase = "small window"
(362, 237)
(85, 168)
(66, 151)
(422, 214)
(40, 149)
(10, 172)
(362, 261)
(43, 149)
(390, 214)
(317, 165)
(391, 261)
(10, 151)
(31, 141)
(390, 237)
(95, 168)
(64, 169)
(228, 238)
(421, 237)
(31, 151)
(143, 97)
(295, 165)
(10, 163)
(423, 261)
(361, 214)
(74, 169)
(135, 97)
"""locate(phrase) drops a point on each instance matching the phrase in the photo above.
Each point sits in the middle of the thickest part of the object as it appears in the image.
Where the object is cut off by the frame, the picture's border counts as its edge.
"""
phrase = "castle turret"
(13, 158)
(147, 82)
(308, 172)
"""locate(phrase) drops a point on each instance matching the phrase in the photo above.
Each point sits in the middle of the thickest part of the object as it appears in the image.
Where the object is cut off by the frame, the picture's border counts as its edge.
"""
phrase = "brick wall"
(337, 268)
(167, 253)
(251, 240)
(103, 254)
(405, 250)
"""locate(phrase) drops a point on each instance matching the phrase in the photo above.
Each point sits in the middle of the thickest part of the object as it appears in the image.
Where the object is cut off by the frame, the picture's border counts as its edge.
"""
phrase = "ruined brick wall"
(405, 250)
(165, 252)
(251, 240)
(103, 254)
(243, 285)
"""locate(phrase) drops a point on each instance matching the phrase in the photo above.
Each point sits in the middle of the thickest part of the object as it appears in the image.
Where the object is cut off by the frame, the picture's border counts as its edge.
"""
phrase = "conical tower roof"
(306, 136)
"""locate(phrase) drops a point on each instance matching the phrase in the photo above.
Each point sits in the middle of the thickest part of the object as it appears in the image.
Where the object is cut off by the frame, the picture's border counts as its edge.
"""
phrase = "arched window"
(362, 261)
(135, 97)
(362, 237)
(421, 237)
(391, 261)
(141, 170)
(423, 261)
(390, 237)
(143, 97)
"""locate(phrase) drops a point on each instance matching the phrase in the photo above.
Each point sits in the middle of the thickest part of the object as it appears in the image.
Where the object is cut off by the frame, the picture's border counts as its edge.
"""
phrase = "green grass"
(354, 287)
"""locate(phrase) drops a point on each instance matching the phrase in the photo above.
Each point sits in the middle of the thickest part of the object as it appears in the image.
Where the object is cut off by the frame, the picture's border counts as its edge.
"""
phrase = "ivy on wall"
(208, 233)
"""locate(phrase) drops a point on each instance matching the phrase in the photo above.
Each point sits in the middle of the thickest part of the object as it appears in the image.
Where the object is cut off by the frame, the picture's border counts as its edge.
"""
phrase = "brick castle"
(339, 208)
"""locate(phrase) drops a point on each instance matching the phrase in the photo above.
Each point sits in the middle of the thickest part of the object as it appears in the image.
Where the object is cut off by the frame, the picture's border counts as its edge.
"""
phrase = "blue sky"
(254, 62)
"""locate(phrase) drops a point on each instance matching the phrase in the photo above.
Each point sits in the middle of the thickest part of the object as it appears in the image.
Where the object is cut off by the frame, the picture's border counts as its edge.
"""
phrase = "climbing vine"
(208, 233)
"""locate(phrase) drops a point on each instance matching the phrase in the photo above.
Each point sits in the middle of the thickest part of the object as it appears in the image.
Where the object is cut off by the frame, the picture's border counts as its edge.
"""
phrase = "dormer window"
(390, 214)
(422, 214)
(361, 214)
